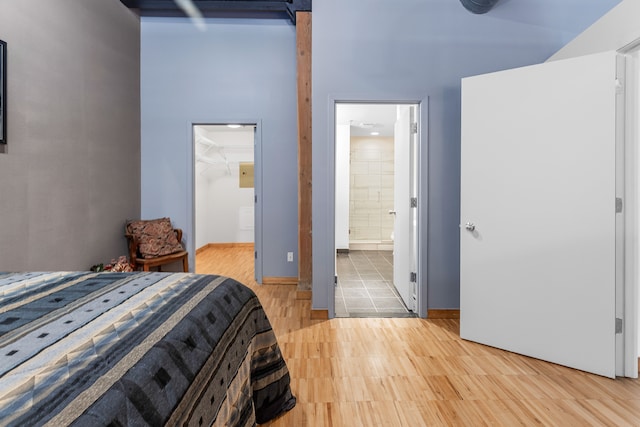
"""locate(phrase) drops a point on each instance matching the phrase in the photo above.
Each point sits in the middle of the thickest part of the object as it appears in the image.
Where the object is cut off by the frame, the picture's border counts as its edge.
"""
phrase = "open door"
(539, 212)
(405, 206)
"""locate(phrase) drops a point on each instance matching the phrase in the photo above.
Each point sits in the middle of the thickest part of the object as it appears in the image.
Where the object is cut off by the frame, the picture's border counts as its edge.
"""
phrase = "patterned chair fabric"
(154, 242)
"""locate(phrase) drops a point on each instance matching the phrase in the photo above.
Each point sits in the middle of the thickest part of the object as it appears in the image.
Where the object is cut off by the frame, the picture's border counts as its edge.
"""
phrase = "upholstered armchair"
(154, 243)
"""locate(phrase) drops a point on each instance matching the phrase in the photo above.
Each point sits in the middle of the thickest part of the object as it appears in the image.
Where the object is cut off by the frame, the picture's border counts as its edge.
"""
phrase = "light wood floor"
(416, 372)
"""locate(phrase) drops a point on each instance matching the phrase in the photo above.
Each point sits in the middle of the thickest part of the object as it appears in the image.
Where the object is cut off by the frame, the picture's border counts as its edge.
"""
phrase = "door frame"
(422, 226)
(630, 345)
(191, 192)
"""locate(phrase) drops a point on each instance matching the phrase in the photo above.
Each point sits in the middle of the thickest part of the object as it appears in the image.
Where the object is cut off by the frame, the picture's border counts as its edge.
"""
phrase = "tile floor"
(365, 286)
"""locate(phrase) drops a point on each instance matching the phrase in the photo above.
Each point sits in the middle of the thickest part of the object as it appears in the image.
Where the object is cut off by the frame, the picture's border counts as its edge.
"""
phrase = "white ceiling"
(366, 118)
(220, 145)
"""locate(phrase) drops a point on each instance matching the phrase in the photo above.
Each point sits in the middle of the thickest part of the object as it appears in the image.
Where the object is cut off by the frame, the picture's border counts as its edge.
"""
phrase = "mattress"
(125, 349)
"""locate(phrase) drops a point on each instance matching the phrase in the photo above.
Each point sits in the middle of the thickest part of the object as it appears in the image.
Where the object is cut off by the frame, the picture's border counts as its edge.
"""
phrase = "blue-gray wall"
(412, 49)
(235, 70)
(362, 49)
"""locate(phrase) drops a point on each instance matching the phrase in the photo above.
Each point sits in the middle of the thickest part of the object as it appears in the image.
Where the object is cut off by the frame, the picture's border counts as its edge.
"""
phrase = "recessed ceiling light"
(234, 126)
(375, 133)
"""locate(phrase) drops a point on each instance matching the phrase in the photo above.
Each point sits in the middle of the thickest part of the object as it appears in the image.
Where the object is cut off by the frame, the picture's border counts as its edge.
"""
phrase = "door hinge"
(618, 205)
(618, 325)
(413, 277)
(255, 199)
(414, 127)
(255, 255)
(413, 202)
(335, 280)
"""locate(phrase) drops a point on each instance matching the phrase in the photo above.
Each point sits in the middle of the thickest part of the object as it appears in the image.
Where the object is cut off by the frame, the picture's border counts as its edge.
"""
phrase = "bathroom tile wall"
(371, 188)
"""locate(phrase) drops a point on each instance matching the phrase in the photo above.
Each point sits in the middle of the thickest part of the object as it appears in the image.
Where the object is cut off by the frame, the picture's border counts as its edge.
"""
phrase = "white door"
(405, 239)
(538, 191)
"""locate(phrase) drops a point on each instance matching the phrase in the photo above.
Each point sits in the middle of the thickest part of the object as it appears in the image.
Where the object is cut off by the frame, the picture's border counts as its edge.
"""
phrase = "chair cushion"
(155, 237)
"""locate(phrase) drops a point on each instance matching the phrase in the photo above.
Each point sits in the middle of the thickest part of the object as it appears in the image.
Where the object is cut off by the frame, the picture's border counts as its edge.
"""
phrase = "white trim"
(632, 210)
(620, 171)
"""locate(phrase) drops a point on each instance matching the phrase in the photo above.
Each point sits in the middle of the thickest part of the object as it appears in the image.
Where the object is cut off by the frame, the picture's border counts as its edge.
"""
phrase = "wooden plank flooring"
(416, 372)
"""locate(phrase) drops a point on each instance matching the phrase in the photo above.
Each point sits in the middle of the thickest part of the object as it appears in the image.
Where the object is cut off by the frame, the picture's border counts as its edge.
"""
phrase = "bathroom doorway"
(376, 209)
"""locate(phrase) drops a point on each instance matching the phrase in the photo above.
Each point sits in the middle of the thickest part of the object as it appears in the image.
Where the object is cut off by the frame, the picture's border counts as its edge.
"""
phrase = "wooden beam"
(303, 48)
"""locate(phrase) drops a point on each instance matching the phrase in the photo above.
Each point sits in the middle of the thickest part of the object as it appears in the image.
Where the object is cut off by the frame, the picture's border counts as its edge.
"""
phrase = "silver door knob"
(470, 226)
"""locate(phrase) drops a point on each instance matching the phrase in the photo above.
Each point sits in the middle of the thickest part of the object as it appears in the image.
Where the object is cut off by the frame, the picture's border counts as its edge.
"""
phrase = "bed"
(144, 348)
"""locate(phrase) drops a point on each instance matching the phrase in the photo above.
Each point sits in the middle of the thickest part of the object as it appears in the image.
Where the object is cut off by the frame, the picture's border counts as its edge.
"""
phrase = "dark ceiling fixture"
(211, 8)
(479, 6)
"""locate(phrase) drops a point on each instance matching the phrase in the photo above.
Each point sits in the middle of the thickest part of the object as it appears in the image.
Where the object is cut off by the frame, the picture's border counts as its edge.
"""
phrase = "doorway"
(224, 183)
(376, 213)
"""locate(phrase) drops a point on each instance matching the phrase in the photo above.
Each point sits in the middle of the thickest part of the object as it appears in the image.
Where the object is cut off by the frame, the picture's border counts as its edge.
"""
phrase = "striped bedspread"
(135, 349)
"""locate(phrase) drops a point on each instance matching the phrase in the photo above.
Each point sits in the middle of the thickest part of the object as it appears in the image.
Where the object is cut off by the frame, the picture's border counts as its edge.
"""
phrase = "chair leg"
(185, 264)
(145, 267)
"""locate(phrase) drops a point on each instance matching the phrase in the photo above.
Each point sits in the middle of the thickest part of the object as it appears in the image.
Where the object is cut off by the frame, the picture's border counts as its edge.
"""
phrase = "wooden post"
(303, 48)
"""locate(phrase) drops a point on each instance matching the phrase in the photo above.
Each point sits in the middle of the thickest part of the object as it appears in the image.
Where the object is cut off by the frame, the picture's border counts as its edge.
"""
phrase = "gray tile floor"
(365, 286)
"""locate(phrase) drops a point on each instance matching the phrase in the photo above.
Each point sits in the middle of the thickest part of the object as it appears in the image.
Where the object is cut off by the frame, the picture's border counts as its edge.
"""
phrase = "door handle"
(470, 226)
(392, 212)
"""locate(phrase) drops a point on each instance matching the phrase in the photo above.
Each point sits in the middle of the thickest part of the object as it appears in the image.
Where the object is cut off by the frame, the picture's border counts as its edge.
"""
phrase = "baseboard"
(224, 246)
(319, 314)
(443, 314)
(279, 280)
(303, 295)
(203, 248)
(382, 245)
